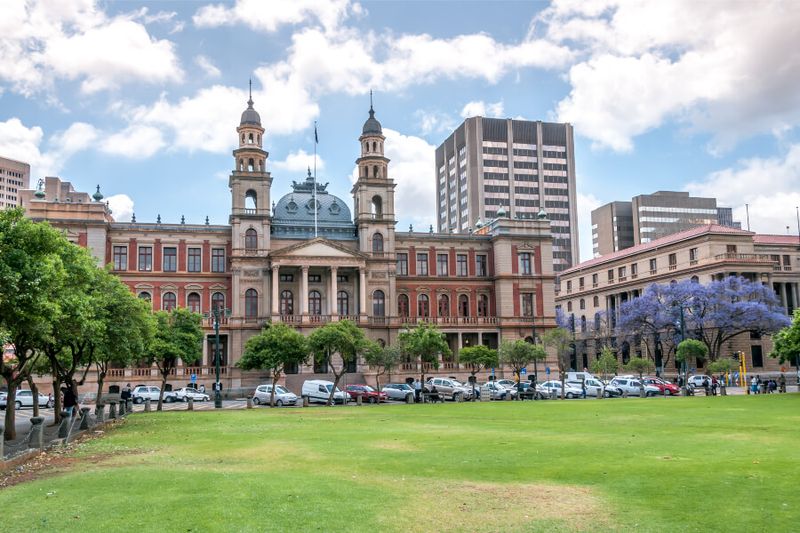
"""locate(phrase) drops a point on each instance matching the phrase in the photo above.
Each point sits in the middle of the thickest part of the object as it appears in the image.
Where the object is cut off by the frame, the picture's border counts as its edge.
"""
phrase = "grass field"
(694, 464)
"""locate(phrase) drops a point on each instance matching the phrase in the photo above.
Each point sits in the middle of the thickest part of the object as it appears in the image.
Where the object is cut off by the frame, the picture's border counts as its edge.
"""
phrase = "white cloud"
(136, 142)
(299, 161)
(586, 204)
(268, 18)
(207, 66)
(771, 186)
(121, 207)
(479, 108)
(719, 67)
(434, 121)
(44, 41)
(20, 142)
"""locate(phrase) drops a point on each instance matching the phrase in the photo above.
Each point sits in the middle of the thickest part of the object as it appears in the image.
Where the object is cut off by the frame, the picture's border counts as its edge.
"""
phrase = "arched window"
(596, 321)
(377, 206)
(250, 197)
(314, 303)
(342, 303)
(423, 306)
(375, 171)
(444, 305)
(251, 303)
(251, 165)
(483, 305)
(377, 243)
(378, 304)
(193, 302)
(402, 305)
(287, 303)
(218, 301)
(259, 138)
(241, 162)
(596, 301)
(251, 239)
(374, 146)
(463, 305)
(695, 279)
(250, 139)
(582, 304)
(144, 295)
(583, 323)
(169, 301)
(242, 138)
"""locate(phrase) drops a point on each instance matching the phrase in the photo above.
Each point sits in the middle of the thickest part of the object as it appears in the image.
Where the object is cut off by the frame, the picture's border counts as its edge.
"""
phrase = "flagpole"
(315, 178)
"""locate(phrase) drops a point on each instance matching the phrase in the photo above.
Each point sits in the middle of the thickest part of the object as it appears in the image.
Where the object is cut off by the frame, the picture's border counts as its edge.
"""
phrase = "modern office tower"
(612, 228)
(14, 176)
(489, 168)
(620, 225)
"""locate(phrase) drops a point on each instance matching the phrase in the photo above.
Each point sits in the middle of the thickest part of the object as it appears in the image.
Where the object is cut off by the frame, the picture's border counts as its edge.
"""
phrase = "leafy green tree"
(178, 335)
(786, 343)
(424, 343)
(343, 338)
(516, 354)
(383, 358)
(478, 358)
(724, 365)
(539, 354)
(275, 348)
(639, 365)
(691, 348)
(606, 364)
(31, 276)
(559, 339)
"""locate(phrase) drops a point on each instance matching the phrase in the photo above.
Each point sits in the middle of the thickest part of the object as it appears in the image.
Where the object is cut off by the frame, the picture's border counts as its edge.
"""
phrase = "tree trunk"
(101, 376)
(563, 375)
(56, 400)
(275, 377)
(164, 375)
(10, 432)
(34, 395)
(336, 379)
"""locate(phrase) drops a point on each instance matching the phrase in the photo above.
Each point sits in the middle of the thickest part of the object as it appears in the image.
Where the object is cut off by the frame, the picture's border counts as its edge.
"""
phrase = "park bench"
(432, 397)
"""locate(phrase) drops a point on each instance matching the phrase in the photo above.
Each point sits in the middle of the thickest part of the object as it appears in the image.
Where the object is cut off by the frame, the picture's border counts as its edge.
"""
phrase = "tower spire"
(250, 99)
(371, 111)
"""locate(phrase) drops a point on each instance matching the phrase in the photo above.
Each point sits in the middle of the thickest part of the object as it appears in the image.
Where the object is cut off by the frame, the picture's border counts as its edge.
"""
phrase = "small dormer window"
(291, 207)
(334, 208)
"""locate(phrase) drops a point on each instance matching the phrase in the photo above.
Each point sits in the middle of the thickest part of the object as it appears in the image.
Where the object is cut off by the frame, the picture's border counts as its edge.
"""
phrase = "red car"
(666, 388)
(367, 393)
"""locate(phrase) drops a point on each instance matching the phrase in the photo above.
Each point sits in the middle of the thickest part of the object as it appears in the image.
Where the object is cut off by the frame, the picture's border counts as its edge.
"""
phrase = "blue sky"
(143, 98)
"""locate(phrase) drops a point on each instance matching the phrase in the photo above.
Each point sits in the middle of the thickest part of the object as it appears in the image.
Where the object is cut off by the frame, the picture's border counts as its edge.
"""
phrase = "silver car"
(24, 398)
(187, 392)
(283, 396)
(398, 391)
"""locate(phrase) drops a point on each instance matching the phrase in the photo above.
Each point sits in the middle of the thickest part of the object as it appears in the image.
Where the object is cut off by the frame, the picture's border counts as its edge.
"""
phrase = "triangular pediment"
(318, 247)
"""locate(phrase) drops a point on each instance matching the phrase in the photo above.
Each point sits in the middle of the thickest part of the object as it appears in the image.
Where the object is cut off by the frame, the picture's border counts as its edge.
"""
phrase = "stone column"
(112, 410)
(795, 293)
(36, 439)
(63, 427)
(362, 291)
(334, 291)
(304, 292)
(784, 303)
(275, 292)
(100, 413)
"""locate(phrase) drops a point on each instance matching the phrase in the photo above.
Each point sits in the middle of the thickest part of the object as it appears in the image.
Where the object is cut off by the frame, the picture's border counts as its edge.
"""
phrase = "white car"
(570, 391)
(24, 398)
(633, 387)
(143, 392)
(697, 381)
(319, 390)
(510, 384)
(594, 387)
(187, 392)
(495, 391)
(283, 396)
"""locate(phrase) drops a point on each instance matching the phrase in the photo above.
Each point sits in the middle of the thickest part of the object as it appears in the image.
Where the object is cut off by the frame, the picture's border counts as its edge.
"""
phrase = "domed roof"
(372, 126)
(250, 115)
(293, 215)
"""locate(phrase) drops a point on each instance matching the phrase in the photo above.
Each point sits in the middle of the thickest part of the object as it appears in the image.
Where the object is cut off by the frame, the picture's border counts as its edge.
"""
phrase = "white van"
(319, 390)
(580, 376)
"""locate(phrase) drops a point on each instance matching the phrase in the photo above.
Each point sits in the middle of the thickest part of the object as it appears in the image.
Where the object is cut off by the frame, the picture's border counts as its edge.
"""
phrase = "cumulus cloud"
(207, 66)
(121, 207)
(257, 16)
(74, 40)
(299, 161)
(432, 121)
(771, 187)
(135, 142)
(479, 108)
(718, 67)
(19, 142)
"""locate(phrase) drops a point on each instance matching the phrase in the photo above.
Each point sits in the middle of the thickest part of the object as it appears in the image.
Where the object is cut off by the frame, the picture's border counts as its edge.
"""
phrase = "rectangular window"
(569, 286)
(673, 261)
(287, 277)
(461, 265)
(480, 266)
(594, 280)
(581, 284)
(402, 264)
(218, 260)
(692, 255)
(146, 258)
(314, 278)
(194, 262)
(621, 273)
(653, 266)
(120, 258)
(527, 304)
(170, 259)
(525, 263)
(441, 264)
(634, 270)
(342, 278)
(731, 248)
(610, 275)
(422, 264)
(756, 355)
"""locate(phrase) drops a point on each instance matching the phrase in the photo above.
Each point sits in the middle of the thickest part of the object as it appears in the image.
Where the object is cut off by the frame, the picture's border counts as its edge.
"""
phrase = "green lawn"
(693, 464)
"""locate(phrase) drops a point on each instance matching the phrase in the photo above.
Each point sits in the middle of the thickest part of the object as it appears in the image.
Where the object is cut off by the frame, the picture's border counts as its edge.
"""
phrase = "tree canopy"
(343, 338)
(478, 358)
(606, 364)
(424, 343)
(274, 349)
(786, 343)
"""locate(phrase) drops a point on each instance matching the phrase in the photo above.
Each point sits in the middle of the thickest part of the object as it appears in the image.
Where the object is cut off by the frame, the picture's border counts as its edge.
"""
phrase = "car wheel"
(279, 403)
(169, 399)
(256, 401)
(18, 405)
(137, 400)
(606, 394)
(372, 400)
(569, 396)
(667, 392)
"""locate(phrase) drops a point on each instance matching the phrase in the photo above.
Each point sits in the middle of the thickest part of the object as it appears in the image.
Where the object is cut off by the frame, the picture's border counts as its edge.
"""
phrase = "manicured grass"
(694, 464)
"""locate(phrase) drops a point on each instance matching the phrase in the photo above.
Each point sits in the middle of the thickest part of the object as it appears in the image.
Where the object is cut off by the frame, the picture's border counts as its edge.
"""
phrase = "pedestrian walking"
(70, 400)
(754, 384)
(125, 395)
(714, 384)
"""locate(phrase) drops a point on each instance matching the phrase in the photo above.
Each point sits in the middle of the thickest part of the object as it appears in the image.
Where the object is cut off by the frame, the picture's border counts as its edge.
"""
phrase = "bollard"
(190, 404)
(600, 393)
(112, 410)
(36, 439)
(84, 418)
(409, 398)
(63, 428)
(359, 400)
(147, 405)
(508, 396)
(100, 413)
(129, 405)
(249, 402)
(723, 390)
(552, 394)
(121, 409)
(305, 401)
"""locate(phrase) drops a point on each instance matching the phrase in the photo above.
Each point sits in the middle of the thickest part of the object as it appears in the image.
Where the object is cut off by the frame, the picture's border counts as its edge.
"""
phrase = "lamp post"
(685, 387)
(217, 313)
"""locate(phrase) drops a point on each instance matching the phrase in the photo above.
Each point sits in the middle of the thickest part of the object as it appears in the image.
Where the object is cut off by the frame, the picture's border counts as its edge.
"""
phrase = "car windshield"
(280, 390)
(329, 387)
(404, 387)
(367, 388)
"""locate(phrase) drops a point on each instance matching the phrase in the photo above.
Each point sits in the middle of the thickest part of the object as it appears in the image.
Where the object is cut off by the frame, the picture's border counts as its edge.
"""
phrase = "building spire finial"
(250, 99)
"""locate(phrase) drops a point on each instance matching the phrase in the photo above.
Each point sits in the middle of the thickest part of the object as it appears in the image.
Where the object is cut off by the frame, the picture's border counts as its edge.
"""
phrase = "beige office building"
(14, 176)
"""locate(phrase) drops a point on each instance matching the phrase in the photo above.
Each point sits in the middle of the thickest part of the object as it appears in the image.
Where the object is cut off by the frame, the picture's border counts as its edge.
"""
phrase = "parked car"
(495, 391)
(570, 391)
(666, 388)
(398, 391)
(283, 396)
(633, 387)
(319, 390)
(527, 390)
(449, 388)
(594, 387)
(611, 391)
(187, 392)
(697, 380)
(507, 383)
(144, 392)
(367, 393)
(24, 398)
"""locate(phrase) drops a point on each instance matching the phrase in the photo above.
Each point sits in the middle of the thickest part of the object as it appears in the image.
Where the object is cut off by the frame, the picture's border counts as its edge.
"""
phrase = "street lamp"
(684, 388)
(216, 314)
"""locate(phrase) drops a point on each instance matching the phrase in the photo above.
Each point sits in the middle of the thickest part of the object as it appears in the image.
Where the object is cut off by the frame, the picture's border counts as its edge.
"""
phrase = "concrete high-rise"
(489, 168)
(620, 225)
(14, 176)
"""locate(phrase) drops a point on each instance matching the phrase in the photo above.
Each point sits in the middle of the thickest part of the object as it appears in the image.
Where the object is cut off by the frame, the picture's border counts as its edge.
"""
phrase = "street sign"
(547, 370)
(193, 378)
(523, 371)
(217, 386)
